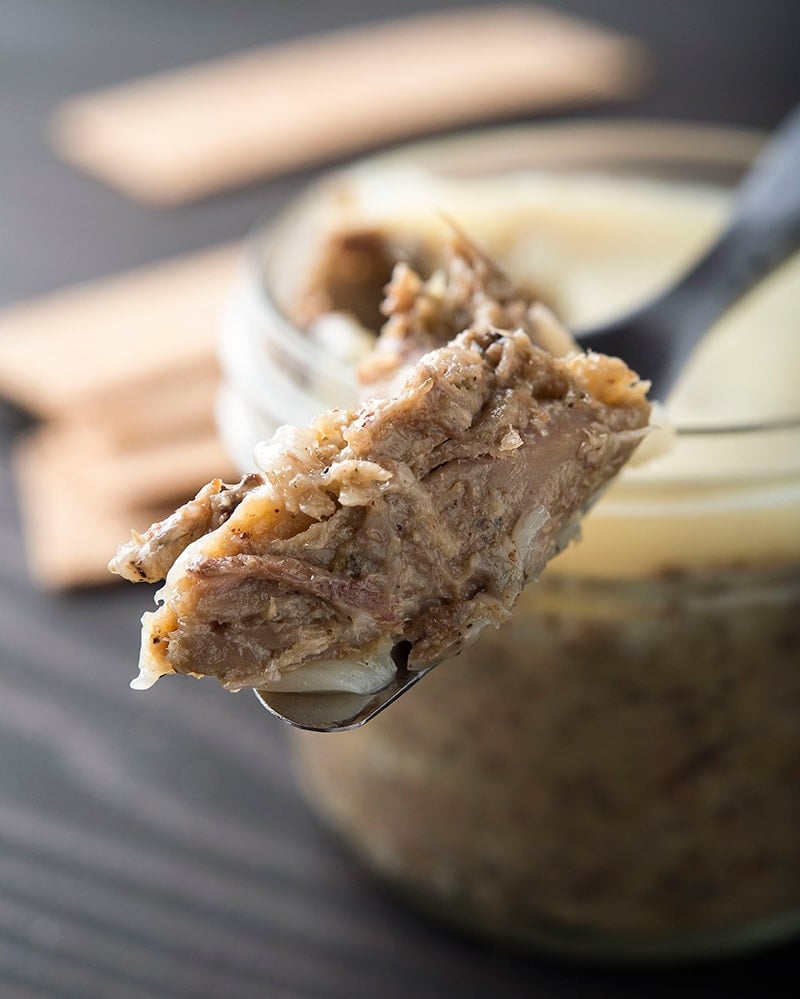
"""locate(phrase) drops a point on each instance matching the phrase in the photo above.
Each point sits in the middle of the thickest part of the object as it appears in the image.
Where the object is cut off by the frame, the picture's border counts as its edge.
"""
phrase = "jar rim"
(666, 143)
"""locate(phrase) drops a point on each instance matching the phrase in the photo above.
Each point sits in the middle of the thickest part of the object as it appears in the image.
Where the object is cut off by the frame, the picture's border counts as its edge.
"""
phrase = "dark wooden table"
(156, 845)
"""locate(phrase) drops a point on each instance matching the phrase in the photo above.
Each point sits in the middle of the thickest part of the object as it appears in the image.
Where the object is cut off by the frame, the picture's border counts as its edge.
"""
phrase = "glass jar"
(616, 773)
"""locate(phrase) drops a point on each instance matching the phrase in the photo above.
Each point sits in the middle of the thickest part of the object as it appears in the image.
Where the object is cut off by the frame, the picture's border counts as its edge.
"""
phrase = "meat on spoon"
(411, 522)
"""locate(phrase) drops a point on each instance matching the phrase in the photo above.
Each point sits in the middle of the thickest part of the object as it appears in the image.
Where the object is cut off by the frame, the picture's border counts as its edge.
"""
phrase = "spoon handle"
(763, 230)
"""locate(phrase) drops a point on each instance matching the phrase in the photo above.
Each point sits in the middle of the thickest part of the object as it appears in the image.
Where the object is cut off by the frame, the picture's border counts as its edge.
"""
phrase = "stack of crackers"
(122, 374)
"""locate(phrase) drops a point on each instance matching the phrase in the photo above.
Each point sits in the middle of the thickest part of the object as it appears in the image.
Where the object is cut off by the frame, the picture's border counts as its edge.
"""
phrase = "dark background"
(156, 845)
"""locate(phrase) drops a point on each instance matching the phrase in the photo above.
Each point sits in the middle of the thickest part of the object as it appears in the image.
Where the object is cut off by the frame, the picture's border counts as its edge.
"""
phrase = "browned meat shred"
(147, 557)
(468, 292)
(350, 274)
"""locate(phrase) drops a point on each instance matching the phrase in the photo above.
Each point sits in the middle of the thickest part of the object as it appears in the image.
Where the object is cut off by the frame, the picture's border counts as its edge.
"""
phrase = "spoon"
(656, 340)
(763, 230)
(338, 712)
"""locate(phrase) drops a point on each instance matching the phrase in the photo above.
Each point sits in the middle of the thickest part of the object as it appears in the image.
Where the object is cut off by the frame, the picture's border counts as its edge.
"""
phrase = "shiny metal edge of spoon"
(339, 711)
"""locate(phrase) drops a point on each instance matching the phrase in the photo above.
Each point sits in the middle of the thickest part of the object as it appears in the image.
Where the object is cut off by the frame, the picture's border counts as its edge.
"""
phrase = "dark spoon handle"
(764, 229)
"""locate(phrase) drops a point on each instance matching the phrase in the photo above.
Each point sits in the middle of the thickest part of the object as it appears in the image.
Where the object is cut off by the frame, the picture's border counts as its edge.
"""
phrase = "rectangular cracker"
(174, 405)
(70, 532)
(115, 335)
(182, 135)
(79, 500)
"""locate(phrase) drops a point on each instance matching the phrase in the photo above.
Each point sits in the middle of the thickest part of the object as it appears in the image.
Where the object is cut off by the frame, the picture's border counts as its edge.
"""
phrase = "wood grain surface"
(155, 844)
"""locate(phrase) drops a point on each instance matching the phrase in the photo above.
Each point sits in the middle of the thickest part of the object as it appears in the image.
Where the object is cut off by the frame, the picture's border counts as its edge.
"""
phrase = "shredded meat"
(415, 519)
(147, 557)
(469, 291)
(350, 274)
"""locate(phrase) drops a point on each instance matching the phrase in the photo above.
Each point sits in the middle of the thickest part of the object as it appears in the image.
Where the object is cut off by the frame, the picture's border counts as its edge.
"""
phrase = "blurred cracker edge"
(116, 336)
(69, 532)
(124, 372)
(78, 504)
(182, 135)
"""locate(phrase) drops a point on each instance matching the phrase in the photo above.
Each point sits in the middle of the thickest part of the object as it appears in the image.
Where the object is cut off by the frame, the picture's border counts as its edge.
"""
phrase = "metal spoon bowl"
(338, 712)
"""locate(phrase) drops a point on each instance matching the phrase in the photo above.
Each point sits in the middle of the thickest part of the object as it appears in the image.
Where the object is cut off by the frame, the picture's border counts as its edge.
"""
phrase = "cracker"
(80, 500)
(181, 135)
(161, 471)
(118, 334)
(70, 532)
(174, 406)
